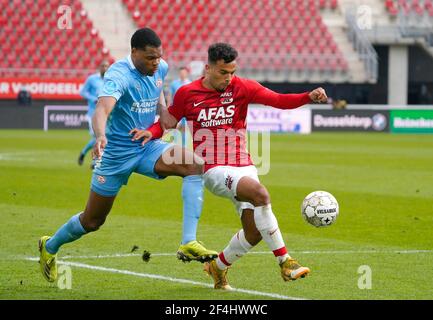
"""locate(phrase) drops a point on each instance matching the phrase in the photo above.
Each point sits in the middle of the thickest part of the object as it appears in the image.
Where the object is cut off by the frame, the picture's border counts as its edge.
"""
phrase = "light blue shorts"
(144, 163)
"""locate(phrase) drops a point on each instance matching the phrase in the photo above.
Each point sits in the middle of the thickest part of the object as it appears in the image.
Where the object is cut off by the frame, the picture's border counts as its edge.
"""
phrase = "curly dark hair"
(145, 37)
(221, 51)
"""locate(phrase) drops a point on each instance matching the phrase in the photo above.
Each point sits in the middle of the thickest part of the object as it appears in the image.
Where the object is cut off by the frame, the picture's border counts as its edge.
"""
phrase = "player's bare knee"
(261, 196)
(253, 236)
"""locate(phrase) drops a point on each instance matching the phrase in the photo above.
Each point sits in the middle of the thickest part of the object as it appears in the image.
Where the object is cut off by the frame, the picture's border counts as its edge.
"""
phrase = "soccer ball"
(320, 208)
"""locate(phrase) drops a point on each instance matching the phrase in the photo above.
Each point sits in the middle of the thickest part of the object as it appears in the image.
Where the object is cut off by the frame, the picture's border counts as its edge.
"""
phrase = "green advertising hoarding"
(411, 121)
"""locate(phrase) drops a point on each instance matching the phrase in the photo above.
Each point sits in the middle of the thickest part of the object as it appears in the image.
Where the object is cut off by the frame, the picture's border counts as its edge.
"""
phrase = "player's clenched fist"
(318, 95)
(146, 135)
(99, 146)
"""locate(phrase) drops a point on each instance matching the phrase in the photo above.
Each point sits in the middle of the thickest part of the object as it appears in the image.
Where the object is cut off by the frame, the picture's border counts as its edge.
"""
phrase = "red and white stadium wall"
(67, 89)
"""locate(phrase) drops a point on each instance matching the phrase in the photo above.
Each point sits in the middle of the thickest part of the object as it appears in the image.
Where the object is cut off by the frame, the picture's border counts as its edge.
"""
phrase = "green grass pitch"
(383, 182)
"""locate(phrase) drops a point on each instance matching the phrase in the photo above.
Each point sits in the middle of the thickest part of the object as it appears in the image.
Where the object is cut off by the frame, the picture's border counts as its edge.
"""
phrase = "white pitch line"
(125, 255)
(102, 256)
(170, 279)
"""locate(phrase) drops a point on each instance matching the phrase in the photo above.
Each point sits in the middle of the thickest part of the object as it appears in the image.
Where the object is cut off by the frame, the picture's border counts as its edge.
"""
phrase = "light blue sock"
(192, 194)
(183, 131)
(88, 146)
(70, 231)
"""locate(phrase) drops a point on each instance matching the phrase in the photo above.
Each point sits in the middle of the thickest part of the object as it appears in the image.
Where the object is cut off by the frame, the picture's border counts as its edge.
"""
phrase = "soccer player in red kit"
(216, 106)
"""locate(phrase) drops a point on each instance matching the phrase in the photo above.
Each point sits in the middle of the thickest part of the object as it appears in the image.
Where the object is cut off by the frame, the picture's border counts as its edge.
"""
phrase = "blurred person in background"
(24, 97)
(177, 83)
(174, 86)
(90, 91)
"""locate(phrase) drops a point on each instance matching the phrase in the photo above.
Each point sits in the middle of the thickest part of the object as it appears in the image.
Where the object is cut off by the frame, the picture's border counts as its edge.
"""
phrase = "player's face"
(183, 74)
(104, 67)
(220, 74)
(147, 60)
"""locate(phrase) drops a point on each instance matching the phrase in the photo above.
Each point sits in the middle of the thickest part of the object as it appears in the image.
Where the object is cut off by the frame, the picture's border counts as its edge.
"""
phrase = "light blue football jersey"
(137, 97)
(91, 90)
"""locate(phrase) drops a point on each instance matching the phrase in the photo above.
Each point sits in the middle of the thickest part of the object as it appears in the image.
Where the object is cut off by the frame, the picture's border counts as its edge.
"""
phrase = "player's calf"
(252, 235)
(97, 209)
(92, 225)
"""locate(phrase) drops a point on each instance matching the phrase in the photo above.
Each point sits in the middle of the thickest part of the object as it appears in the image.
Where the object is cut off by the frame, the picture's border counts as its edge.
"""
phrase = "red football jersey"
(217, 120)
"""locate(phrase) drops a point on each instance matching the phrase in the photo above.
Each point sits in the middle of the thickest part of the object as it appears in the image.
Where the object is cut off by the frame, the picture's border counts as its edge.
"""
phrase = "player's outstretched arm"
(99, 120)
(263, 95)
(155, 131)
(167, 120)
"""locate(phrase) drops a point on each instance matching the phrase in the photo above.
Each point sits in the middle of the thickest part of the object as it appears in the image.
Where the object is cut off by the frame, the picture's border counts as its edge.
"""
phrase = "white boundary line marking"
(125, 255)
(170, 279)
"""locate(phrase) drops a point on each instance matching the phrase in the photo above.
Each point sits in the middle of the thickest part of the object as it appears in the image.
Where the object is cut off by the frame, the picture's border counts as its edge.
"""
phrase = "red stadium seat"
(87, 42)
(36, 60)
(3, 21)
(77, 6)
(39, 39)
(15, 20)
(94, 32)
(334, 4)
(47, 14)
(186, 27)
(45, 31)
(12, 40)
(61, 59)
(82, 31)
(31, 49)
(105, 51)
(130, 5)
(49, 59)
(51, 40)
(80, 51)
(93, 50)
(10, 59)
(9, 11)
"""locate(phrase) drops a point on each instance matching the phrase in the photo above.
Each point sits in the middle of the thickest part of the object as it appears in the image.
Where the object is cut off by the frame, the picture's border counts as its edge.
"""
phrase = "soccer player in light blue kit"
(177, 83)
(90, 91)
(131, 93)
(174, 86)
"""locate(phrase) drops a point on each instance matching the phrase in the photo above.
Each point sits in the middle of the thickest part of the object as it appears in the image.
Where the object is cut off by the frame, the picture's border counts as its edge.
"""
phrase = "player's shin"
(192, 195)
(237, 247)
(70, 231)
(267, 225)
